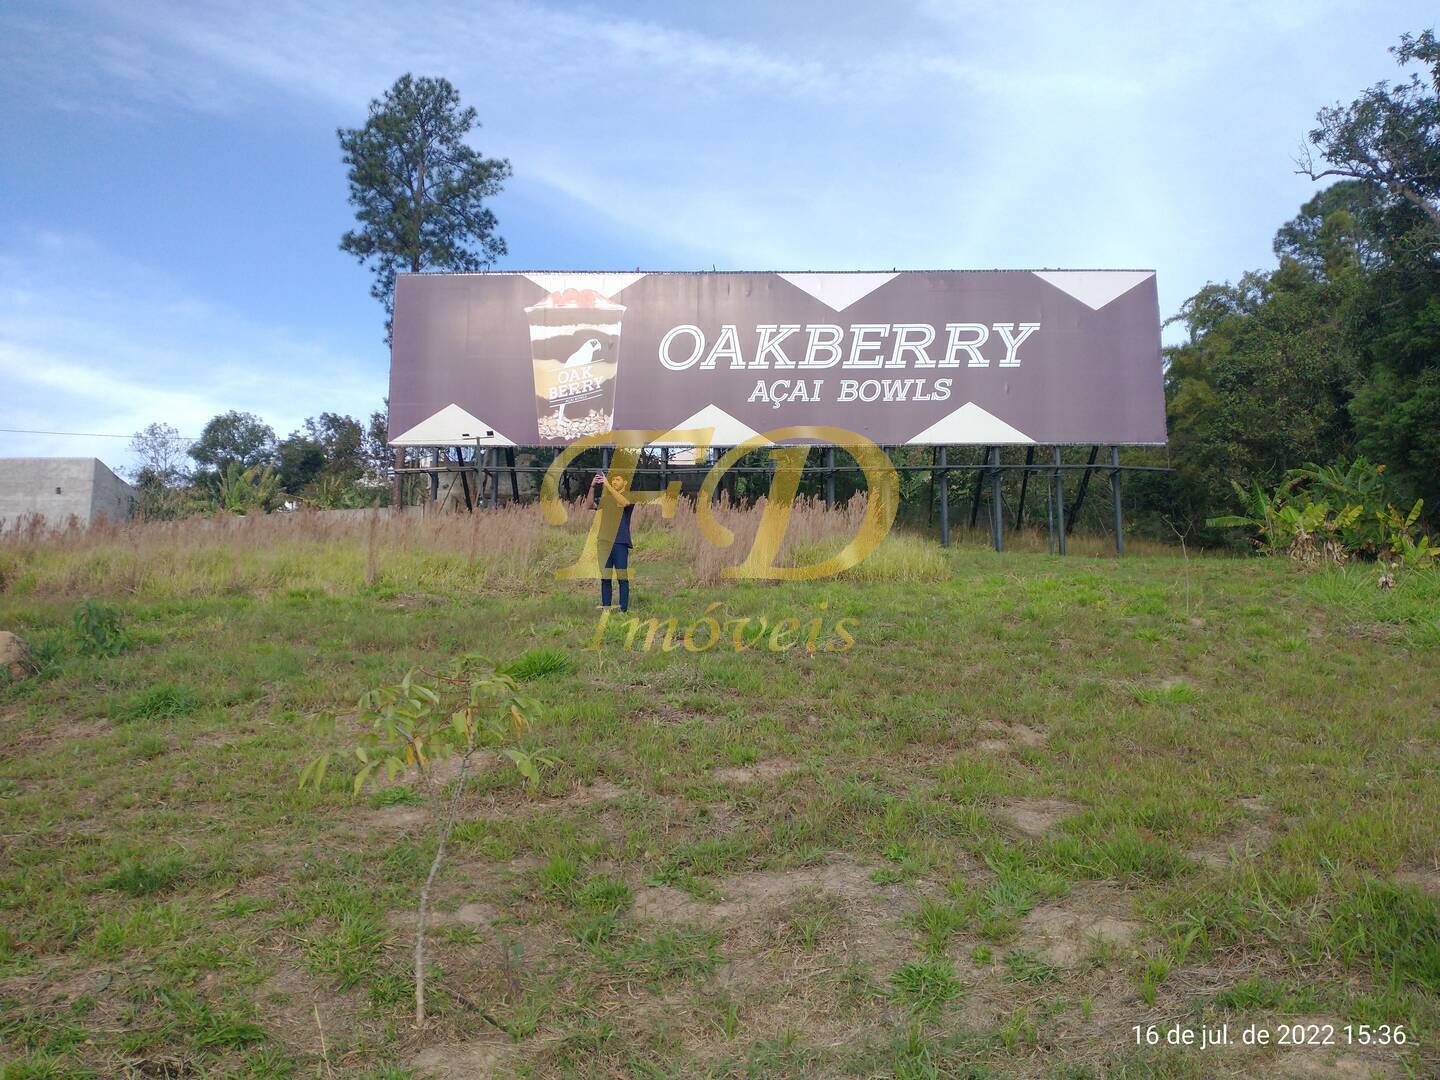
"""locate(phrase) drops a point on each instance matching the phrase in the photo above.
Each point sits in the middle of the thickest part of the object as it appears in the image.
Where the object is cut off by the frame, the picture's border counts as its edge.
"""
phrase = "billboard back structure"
(946, 357)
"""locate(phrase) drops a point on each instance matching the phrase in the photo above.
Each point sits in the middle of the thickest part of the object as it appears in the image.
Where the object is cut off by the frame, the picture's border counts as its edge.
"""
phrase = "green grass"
(862, 901)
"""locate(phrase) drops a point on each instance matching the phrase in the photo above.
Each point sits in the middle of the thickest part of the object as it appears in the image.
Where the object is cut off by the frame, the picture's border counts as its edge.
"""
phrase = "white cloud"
(816, 135)
(93, 342)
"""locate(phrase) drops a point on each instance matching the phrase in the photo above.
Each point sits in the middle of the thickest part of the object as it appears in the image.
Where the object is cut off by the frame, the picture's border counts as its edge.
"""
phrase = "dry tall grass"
(494, 551)
(501, 551)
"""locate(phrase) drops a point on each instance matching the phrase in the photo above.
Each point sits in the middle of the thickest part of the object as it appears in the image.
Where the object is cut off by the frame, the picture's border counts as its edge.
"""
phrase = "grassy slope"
(1038, 802)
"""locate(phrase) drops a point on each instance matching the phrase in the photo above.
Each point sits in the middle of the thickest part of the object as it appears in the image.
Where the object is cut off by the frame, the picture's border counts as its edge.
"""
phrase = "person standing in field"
(619, 558)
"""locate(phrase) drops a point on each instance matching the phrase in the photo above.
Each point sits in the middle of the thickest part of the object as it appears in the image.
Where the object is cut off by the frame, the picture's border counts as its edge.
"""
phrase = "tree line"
(1333, 354)
(333, 461)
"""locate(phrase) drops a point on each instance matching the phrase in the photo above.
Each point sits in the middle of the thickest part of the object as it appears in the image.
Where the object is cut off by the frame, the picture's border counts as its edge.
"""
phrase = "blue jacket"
(622, 533)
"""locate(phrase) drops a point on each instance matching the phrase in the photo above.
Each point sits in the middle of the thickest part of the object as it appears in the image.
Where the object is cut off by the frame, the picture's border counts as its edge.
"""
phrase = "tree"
(301, 460)
(428, 718)
(160, 454)
(418, 190)
(341, 440)
(159, 472)
(1261, 386)
(1340, 231)
(330, 448)
(233, 437)
(1390, 135)
(379, 458)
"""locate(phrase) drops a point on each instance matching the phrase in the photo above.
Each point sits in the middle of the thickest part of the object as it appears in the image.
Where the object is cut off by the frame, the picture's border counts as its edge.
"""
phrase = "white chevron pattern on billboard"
(970, 425)
(837, 291)
(606, 284)
(1094, 288)
(451, 426)
(728, 430)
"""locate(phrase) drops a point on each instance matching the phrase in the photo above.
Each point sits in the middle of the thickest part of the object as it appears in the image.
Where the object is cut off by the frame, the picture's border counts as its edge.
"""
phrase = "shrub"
(100, 629)
(1329, 514)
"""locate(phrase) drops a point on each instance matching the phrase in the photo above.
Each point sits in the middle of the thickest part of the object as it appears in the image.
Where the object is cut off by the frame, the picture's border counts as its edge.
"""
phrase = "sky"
(172, 195)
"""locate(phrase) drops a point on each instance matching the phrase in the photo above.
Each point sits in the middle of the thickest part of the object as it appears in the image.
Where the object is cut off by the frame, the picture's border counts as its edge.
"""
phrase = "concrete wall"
(110, 496)
(58, 489)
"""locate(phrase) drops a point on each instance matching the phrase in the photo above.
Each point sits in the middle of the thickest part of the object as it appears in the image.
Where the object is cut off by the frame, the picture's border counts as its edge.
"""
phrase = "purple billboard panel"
(946, 357)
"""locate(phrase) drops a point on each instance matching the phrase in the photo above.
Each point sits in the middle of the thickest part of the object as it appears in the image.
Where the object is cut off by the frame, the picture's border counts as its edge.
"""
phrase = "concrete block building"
(58, 489)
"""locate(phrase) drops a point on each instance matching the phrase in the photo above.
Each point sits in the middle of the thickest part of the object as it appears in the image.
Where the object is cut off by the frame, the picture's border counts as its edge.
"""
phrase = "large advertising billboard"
(946, 357)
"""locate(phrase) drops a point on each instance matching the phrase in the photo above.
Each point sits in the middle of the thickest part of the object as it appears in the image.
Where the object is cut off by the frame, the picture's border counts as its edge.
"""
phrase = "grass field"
(1037, 803)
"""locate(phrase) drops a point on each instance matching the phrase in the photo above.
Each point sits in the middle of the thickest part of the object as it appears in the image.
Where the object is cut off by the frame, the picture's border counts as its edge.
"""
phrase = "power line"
(85, 434)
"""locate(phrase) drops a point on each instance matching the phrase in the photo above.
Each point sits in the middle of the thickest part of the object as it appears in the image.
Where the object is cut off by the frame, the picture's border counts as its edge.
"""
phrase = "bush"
(1330, 514)
(99, 629)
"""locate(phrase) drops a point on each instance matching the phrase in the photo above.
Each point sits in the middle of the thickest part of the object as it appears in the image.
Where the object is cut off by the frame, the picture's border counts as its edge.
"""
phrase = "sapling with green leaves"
(427, 718)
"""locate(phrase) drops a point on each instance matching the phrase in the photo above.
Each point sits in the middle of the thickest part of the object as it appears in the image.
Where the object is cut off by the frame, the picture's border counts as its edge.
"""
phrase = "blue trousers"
(619, 561)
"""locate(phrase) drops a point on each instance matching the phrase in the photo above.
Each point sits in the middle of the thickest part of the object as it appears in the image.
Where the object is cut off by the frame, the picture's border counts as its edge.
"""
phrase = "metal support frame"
(944, 498)
(1059, 505)
(1049, 519)
(1024, 483)
(582, 469)
(397, 482)
(486, 466)
(979, 487)
(1080, 495)
(1115, 500)
(434, 479)
(465, 482)
(997, 517)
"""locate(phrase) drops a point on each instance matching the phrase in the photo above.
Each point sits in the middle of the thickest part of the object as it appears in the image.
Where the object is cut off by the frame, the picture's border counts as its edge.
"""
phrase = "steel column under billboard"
(946, 357)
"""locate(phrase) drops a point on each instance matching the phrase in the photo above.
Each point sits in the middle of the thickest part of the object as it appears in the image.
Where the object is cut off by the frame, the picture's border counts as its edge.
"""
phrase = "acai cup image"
(574, 345)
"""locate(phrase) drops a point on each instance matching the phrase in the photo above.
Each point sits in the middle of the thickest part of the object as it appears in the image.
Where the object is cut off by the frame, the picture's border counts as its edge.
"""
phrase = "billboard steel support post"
(979, 487)
(1084, 486)
(1059, 505)
(397, 493)
(465, 481)
(1024, 483)
(944, 499)
(1049, 519)
(434, 478)
(829, 478)
(1115, 500)
(997, 523)
(514, 475)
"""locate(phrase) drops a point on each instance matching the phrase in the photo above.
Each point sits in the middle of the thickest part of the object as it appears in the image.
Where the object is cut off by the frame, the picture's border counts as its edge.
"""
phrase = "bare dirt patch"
(474, 914)
(1065, 932)
(597, 792)
(298, 1009)
(663, 904)
(402, 818)
(465, 1061)
(1427, 881)
(859, 919)
(1388, 633)
(1333, 1062)
(1035, 817)
(1253, 835)
(1006, 737)
(760, 773)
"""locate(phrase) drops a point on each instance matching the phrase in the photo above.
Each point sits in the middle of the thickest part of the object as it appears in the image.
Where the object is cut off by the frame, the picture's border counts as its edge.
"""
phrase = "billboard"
(946, 357)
